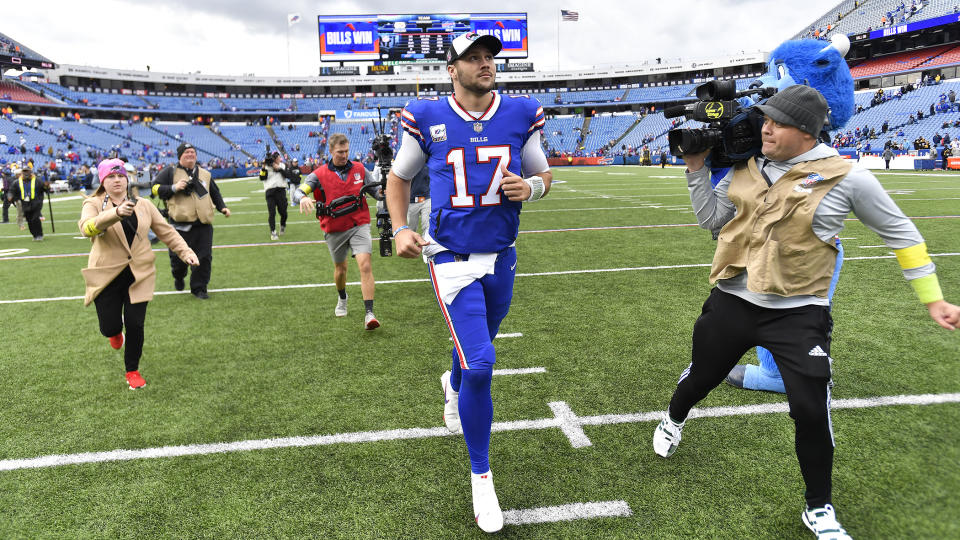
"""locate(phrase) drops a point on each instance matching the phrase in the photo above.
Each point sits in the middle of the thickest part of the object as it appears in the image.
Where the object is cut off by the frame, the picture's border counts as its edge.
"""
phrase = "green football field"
(264, 416)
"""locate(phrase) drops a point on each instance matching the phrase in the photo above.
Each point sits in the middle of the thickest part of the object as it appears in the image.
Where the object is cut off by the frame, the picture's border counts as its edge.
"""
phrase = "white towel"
(454, 276)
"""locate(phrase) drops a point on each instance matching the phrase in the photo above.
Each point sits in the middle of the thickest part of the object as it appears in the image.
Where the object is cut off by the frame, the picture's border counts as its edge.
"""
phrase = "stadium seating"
(607, 127)
(15, 92)
(905, 61)
(562, 132)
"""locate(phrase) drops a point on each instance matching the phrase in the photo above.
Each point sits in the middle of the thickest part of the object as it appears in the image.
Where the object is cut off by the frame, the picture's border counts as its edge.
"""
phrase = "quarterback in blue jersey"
(484, 156)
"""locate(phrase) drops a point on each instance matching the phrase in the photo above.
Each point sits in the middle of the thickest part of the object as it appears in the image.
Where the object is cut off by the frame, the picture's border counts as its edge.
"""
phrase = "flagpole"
(288, 45)
(558, 41)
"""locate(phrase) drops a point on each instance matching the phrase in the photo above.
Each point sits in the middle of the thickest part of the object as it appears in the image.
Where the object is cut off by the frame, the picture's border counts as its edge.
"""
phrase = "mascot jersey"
(470, 214)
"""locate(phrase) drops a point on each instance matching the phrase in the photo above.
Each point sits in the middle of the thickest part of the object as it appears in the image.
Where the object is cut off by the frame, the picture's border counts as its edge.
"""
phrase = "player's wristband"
(402, 227)
(536, 188)
(927, 288)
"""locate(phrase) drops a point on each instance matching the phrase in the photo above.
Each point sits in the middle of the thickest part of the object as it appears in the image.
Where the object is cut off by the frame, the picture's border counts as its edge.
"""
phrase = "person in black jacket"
(191, 196)
(29, 190)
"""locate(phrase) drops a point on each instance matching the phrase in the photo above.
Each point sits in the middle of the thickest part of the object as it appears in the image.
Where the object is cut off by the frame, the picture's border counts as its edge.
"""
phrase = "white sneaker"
(341, 309)
(823, 522)
(486, 507)
(370, 322)
(273, 235)
(451, 414)
(666, 437)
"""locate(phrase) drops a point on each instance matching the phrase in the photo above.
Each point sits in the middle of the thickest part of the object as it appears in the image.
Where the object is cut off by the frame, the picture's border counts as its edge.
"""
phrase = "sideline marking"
(58, 460)
(567, 512)
(8, 252)
(520, 371)
(424, 280)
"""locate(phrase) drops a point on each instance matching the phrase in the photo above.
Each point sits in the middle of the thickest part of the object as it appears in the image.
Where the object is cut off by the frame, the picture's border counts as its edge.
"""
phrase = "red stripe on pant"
(446, 317)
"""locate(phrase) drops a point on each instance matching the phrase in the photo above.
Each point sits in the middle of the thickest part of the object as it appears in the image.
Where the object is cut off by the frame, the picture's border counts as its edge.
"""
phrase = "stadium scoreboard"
(396, 39)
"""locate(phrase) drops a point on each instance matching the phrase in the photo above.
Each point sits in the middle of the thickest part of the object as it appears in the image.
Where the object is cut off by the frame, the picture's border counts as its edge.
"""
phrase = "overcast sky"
(230, 37)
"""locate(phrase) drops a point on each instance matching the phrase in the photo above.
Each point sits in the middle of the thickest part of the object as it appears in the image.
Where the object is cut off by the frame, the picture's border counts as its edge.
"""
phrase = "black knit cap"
(799, 106)
(183, 148)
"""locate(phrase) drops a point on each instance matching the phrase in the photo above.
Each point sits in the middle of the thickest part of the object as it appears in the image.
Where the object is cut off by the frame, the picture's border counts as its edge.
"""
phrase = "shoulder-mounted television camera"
(732, 132)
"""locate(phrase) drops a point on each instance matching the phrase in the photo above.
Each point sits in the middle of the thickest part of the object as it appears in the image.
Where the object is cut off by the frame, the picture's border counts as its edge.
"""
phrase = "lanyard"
(33, 187)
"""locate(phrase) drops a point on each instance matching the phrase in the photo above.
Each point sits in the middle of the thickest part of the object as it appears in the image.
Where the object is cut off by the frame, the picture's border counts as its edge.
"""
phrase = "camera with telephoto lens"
(384, 157)
(732, 133)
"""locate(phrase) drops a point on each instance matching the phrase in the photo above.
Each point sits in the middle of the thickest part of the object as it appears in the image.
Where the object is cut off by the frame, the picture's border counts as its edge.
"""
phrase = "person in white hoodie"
(275, 191)
(778, 214)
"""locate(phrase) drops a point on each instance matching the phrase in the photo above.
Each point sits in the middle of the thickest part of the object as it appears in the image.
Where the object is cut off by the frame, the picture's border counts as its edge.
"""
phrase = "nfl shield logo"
(478, 127)
(812, 179)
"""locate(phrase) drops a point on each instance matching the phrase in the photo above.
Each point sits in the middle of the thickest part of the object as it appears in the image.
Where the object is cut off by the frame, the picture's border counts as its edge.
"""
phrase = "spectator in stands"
(936, 139)
(884, 127)
(272, 174)
(911, 120)
(191, 196)
(120, 272)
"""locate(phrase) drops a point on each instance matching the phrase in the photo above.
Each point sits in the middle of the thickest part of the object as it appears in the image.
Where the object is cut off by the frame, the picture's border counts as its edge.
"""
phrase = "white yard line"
(567, 512)
(423, 280)
(520, 371)
(564, 419)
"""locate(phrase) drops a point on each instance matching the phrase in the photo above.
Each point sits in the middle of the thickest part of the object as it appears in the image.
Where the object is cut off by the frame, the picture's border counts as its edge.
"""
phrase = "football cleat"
(823, 522)
(451, 413)
(273, 235)
(370, 322)
(117, 341)
(341, 309)
(666, 437)
(135, 380)
(486, 507)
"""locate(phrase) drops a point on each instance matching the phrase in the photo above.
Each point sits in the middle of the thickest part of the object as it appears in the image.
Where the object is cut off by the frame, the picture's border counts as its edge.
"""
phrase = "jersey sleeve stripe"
(408, 117)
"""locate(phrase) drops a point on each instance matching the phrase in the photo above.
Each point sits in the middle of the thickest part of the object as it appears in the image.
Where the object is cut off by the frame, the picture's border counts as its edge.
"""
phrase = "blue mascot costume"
(821, 66)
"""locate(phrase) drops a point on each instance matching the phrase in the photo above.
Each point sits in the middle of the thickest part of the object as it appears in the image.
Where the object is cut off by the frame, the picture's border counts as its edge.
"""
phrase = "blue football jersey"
(469, 213)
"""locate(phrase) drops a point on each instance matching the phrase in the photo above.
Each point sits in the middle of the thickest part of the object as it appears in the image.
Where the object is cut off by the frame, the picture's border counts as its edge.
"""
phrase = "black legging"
(276, 202)
(115, 312)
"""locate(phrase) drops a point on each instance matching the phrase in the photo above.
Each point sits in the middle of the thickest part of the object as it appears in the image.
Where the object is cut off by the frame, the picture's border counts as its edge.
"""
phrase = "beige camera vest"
(771, 236)
(188, 207)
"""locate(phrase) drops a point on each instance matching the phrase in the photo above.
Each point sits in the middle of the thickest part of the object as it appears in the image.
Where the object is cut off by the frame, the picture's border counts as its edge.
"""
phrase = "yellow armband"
(913, 256)
(90, 228)
(305, 189)
(155, 190)
(927, 288)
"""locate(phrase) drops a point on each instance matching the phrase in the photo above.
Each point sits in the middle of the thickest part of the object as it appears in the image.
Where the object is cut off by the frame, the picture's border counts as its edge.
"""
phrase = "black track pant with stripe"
(799, 339)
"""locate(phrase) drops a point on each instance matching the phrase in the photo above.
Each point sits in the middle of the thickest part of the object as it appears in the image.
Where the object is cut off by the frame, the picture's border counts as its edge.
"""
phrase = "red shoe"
(135, 380)
(116, 341)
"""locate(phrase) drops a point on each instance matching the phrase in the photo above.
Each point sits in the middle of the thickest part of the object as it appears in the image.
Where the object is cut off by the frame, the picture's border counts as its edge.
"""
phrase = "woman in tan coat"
(120, 272)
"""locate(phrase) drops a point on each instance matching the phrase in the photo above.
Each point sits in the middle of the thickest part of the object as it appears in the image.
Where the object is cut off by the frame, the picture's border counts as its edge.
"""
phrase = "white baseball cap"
(463, 42)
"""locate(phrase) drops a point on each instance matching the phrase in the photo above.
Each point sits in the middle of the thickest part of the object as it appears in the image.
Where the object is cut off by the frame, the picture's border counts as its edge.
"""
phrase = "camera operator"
(338, 178)
(293, 178)
(418, 213)
(777, 215)
(272, 174)
(191, 196)
(28, 189)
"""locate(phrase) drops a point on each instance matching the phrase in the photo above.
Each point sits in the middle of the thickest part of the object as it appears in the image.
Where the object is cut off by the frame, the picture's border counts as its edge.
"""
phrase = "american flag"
(292, 19)
(567, 15)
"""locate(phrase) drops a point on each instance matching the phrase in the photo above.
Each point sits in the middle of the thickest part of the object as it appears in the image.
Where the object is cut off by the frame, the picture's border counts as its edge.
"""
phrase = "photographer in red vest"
(338, 189)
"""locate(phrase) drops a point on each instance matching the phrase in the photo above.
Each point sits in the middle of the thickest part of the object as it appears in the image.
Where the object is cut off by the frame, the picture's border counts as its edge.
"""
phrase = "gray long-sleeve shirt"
(859, 192)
